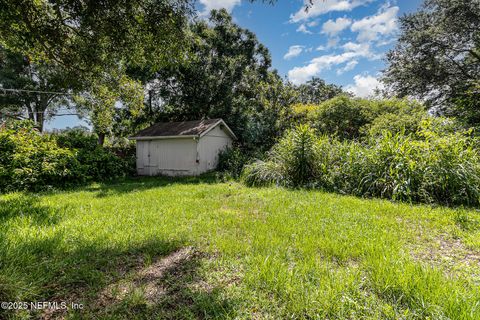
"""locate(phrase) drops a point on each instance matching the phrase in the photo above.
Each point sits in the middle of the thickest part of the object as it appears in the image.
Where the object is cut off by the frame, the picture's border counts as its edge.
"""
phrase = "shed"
(181, 148)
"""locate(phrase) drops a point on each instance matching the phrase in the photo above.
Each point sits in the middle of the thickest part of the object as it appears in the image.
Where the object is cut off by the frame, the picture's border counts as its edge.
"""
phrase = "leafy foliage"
(18, 72)
(30, 160)
(85, 49)
(437, 167)
(106, 97)
(232, 160)
(352, 118)
(341, 116)
(437, 56)
(315, 91)
(393, 115)
(297, 154)
(92, 37)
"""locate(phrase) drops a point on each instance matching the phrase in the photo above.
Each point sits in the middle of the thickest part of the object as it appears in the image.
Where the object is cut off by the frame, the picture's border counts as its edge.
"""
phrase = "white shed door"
(142, 154)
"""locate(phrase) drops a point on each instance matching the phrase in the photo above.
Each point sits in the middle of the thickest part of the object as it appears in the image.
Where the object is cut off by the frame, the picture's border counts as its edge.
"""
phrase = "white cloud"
(334, 27)
(209, 5)
(381, 24)
(352, 52)
(293, 52)
(302, 28)
(333, 42)
(348, 67)
(321, 48)
(300, 75)
(364, 86)
(321, 7)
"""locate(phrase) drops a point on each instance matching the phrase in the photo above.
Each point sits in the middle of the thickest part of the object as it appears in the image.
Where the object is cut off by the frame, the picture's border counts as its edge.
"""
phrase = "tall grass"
(428, 167)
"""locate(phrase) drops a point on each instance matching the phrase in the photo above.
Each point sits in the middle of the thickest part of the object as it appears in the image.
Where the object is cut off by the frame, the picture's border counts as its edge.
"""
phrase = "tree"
(221, 79)
(341, 116)
(272, 101)
(104, 100)
(43, 85)
(315, 91)
(88, 38)
(437, 57)
(94, 43)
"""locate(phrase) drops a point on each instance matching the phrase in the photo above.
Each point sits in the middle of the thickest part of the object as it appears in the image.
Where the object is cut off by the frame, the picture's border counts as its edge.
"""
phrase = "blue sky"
(340, 41)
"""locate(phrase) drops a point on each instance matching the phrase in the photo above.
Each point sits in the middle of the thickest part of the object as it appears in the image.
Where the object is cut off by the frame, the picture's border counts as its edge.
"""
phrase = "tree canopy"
(222, 78)
(437, 57)
(84, 49)
(315, 91)
(87, 37)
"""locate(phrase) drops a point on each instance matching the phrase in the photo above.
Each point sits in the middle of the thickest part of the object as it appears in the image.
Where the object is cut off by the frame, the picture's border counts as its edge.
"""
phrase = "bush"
(98, 163)
(30, 160)
(430, 166)
(77, 138)
(341, 116)
(232, 160)
(264, 173)
(297, 154)
(354, 119)
(393, 115)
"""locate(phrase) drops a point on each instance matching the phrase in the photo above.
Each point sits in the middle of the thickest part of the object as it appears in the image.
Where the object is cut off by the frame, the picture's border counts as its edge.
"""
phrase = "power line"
(5, 90)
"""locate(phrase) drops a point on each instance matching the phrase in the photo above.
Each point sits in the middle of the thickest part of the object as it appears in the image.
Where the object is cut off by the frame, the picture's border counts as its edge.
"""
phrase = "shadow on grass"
(28, 206)
(45, 269)
(142, 183)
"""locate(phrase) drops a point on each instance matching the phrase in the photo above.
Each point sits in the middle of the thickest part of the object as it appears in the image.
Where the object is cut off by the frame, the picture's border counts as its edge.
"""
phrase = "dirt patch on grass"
(451, 255)
(134, 278)
(147, 280)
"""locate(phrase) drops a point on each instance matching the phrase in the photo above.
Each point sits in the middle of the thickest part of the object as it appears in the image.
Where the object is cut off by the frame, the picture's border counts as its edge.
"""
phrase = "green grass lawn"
(196, 248)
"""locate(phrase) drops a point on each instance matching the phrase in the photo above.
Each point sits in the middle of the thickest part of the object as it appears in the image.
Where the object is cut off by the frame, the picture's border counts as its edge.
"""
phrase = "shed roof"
(181, 129)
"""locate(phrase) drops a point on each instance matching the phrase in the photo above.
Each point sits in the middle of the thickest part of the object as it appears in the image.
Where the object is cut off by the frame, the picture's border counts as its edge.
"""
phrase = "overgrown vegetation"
(430, 165)
(30, 160)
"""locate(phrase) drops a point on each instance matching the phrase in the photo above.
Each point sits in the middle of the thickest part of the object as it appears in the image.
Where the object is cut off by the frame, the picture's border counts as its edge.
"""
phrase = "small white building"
(186, 148)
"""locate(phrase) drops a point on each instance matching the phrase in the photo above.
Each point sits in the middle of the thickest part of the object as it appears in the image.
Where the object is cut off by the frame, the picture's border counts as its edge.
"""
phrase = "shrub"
(341, 116)
(98, 163)
(297, 153)
(393, 123)
(77, 138)
(264, 173)
(30, 160)
(430, 166)
(232, 160)
(355, 119)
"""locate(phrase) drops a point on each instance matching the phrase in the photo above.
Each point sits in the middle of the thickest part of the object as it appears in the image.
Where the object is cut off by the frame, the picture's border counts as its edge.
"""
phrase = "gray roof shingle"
(183, 128)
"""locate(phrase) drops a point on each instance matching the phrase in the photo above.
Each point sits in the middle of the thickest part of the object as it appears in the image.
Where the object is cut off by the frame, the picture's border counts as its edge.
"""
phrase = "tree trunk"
(31, 114)
(40, 120)
(150, 109)
(101, 138)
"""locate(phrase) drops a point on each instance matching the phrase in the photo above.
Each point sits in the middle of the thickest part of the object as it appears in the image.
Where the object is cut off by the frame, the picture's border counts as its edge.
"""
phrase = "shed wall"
(209, 146)
(167, 157)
